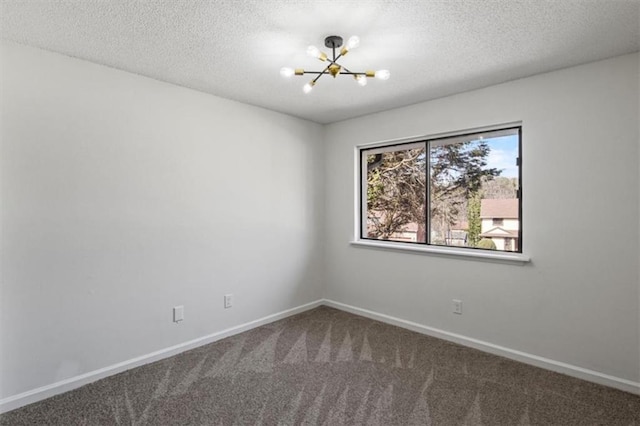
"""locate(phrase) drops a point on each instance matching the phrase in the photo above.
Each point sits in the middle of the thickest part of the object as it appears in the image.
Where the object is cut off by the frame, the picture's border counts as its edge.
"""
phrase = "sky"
(503, 154)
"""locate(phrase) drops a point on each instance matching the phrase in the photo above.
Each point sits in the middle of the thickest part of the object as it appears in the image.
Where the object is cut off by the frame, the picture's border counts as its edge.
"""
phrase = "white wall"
(123, 196)
(577, 301)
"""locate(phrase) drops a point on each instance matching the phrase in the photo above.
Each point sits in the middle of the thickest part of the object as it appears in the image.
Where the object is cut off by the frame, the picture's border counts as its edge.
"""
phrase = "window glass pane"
(474, 191)
(395, 193)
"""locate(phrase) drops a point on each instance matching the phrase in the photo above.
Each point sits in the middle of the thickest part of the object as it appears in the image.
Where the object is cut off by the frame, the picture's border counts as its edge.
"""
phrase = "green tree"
(473, 218)
(487, 243)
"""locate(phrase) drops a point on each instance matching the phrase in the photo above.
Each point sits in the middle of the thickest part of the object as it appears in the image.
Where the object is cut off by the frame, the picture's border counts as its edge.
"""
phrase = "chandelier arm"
(318, 77)
(322, 73)
(347, 71)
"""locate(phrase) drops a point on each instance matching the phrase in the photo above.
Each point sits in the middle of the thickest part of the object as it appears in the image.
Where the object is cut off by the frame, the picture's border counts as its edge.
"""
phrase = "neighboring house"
(500, 222)
(409, 233)
(456, 234)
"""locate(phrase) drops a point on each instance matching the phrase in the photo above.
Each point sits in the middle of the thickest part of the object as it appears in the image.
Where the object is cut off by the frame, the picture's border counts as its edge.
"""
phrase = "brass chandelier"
(334, 68)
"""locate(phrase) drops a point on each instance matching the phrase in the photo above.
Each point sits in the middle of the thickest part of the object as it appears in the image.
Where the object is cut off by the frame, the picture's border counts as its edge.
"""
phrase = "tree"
(487, 243)
(473, 218)
(396, 191)
(457, 171)
(500, 187)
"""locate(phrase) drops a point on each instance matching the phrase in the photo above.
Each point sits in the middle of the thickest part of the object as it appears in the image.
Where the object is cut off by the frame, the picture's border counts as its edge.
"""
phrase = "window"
(456, 191)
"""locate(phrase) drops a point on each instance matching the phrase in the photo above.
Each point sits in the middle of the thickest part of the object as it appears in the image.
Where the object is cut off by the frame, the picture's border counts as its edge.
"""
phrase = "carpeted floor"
(327, 367)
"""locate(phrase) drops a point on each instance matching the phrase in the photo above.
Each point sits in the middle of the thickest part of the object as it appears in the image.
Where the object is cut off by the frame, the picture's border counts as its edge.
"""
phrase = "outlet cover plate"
(178, 313)
(228, 301)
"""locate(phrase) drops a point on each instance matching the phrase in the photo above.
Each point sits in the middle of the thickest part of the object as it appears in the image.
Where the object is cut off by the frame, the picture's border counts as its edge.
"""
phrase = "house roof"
(462, 225)
(500, 232)
(499, 208)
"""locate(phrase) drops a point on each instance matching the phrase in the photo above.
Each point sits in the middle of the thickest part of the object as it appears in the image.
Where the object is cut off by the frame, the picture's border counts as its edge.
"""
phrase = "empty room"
(321, 213)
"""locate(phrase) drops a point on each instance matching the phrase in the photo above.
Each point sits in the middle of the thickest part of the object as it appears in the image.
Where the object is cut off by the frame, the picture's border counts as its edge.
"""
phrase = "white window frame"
(360, 219)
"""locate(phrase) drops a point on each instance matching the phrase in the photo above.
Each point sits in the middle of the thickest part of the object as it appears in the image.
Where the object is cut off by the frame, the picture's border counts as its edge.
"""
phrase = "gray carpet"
(327, 367)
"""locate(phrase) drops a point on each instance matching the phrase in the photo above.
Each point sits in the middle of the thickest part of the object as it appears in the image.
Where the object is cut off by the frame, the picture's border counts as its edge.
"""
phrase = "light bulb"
(353, 42)
(316, 53)
(383, 74)
(286, 72)
(362, 80)
(308, 87)
(313, 51)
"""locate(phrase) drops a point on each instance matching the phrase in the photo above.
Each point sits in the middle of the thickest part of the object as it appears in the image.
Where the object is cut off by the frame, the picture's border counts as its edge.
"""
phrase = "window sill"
(501, 257)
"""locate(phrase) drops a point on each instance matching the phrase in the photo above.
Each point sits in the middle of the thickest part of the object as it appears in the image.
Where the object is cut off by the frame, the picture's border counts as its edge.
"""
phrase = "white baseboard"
(527, 358)
(44, 392)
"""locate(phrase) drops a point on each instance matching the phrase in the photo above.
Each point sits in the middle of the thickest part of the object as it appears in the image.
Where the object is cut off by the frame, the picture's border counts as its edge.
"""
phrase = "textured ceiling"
(235, 49)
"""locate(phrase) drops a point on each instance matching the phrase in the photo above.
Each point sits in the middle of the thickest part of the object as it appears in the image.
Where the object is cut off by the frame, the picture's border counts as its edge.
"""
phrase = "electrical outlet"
(228, 301)
(457, 306)
(178, 313)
